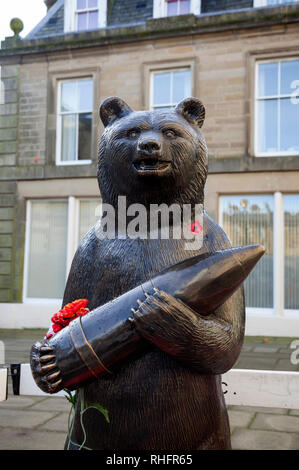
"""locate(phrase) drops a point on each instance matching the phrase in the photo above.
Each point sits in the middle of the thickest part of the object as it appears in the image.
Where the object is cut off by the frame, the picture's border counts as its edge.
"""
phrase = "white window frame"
(264, 3)
(71, 244)
(85, 10)
(160, 8)
(165, 70)
(2, 89)
(256, 113)
(278, 309)
(70, 15)
(59, 113)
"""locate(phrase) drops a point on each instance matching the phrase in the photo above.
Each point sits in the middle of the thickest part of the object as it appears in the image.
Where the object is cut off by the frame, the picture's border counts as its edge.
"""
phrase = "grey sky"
(29, 11)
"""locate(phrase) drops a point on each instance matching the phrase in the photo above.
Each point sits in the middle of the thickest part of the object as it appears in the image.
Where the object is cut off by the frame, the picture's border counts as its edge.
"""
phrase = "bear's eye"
(170, 133)
(133, 133)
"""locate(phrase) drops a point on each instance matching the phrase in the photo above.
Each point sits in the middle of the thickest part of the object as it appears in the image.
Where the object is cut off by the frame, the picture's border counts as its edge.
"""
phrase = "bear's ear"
(113, 108)
(193, 110)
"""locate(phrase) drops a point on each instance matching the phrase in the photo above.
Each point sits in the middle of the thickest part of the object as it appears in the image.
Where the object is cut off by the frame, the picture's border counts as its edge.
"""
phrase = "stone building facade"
(239, 57)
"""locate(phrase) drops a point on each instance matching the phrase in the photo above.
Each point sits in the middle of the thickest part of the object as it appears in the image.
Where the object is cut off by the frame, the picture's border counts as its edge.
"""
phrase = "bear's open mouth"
(151, 166)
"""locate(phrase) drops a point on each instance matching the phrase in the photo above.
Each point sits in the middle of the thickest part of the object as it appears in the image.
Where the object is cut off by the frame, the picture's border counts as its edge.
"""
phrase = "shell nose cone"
(249, 256)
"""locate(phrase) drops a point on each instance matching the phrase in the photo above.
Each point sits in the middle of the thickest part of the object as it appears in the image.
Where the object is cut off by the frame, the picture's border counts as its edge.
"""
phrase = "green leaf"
(100, 408)
(71, 398)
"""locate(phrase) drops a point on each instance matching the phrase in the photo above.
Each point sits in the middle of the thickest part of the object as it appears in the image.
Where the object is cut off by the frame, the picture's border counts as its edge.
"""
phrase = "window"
(291, 251)
(271, 220)
(89, 213)
(74, 121)
(265, 3)
(277, 108)
(46, 245)
(249, 220)
(54, 228)
(2, 89)
(163, 8)
(177, 7)
(169, 87)
(84, 15)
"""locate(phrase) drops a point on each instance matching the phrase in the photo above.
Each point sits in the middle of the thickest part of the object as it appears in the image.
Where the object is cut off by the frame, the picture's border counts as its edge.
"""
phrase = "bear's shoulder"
(215, 237)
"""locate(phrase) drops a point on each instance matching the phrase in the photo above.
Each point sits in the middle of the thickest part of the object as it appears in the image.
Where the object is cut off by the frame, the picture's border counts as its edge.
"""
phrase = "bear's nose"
(149, 146)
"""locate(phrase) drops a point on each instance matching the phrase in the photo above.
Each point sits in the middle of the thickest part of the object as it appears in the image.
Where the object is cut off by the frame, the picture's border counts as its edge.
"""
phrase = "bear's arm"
(209, 343)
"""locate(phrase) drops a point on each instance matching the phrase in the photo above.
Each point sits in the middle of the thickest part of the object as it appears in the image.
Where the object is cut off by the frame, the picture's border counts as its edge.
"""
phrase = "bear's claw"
(44, 368)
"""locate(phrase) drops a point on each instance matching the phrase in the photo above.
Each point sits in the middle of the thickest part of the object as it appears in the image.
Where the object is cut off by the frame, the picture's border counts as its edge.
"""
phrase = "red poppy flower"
(68, 313)
(56, 327)
(195, 227)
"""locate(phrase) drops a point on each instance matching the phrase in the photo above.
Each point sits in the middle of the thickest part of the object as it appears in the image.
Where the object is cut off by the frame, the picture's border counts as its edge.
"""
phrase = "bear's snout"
(149, 146)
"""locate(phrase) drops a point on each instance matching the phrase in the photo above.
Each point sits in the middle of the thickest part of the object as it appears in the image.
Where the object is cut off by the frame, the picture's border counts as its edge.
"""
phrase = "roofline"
(158, 28)
(51, 12)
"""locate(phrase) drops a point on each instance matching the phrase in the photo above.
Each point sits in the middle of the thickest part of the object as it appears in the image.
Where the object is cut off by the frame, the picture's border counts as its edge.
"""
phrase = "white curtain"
(68, 137)
(89, 214)
(47, 249)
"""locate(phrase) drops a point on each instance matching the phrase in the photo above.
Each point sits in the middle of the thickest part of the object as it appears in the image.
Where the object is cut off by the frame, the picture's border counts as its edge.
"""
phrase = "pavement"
(40, 423)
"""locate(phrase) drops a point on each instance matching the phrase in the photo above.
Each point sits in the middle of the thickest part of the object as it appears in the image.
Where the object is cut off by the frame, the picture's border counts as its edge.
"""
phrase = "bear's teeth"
(148, 164)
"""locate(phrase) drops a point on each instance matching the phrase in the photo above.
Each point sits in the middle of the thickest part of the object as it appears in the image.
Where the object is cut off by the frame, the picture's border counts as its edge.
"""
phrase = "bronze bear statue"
(168, 395)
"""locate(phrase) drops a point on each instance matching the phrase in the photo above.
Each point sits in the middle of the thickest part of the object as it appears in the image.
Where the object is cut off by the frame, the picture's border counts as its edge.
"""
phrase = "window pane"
(68, 96)
(278, 2)
(184, 7)
(249, 220)
(289, 125)
(268, 79)
(289, 73)
(181, 86)
(161, 90)
(84, 145)
(82, 21)
(47, 249)
(267, 126)
(172, 8)
(89, 214)
(81, 4)
(68, 137)
(85, 91)
(92, 3)
(291, 257)
(93, 20)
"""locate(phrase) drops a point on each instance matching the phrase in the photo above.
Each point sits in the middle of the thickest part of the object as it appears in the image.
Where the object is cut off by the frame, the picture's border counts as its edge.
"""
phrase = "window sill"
(36, 300)
(74, 163)
(275, 155)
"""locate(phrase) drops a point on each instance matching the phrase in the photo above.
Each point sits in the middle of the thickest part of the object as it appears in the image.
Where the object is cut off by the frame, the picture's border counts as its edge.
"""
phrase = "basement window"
(271, 220)
(54, 229)
(268, 3)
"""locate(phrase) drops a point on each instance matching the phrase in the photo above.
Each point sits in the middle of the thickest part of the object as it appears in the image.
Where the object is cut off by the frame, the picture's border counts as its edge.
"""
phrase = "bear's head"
(152, 157)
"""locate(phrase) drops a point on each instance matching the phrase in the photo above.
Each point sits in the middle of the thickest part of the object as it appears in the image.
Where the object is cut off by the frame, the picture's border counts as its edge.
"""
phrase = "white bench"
(244, 387)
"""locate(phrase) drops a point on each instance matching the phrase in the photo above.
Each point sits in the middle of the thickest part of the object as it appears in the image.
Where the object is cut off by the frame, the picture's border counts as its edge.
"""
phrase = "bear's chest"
(121, 265)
